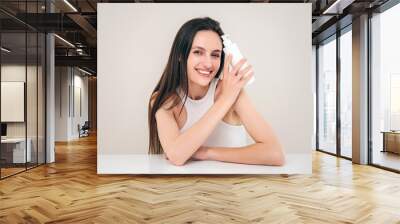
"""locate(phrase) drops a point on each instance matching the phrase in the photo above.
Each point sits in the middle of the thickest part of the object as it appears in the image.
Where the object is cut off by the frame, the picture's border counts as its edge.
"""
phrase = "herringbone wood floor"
(70, 191)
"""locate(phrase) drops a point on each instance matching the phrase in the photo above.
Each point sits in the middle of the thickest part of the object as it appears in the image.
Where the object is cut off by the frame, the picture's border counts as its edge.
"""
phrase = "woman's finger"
(228, 59)
(246, 78)
(244, 71)
(238, 66)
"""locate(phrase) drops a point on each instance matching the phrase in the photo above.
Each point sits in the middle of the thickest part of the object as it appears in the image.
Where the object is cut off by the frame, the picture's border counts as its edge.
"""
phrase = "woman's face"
(204, 58)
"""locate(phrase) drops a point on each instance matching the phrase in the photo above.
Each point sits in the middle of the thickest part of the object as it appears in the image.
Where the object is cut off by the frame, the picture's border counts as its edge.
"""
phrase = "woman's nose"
(207, 62)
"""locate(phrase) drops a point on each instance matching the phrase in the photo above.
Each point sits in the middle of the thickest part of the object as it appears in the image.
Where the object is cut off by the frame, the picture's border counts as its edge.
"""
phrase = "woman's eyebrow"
(202, 48)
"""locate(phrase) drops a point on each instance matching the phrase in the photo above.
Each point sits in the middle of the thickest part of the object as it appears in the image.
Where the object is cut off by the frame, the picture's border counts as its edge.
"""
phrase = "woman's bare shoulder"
(170, 102)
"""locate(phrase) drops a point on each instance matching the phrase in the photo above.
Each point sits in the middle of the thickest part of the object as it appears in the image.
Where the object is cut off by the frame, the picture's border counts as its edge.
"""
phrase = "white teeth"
(204, 72)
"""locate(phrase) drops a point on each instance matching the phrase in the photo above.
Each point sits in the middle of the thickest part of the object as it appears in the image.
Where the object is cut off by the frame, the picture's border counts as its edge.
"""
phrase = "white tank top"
(224, 134)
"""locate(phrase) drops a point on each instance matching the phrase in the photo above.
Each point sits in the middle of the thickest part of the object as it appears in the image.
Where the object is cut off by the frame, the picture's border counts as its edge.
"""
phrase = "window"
(346, 93)
(385, 88)
(327, 96)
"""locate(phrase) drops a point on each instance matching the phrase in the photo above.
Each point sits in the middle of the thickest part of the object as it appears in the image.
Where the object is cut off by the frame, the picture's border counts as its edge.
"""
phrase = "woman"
(194, 114)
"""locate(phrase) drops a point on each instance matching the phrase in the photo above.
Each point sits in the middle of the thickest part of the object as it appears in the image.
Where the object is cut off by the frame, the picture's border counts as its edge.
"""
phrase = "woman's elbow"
(175, 160)
(275, 157)
(280, 159)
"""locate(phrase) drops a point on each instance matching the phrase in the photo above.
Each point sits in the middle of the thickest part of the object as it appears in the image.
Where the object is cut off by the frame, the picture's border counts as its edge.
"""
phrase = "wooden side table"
(391, 141)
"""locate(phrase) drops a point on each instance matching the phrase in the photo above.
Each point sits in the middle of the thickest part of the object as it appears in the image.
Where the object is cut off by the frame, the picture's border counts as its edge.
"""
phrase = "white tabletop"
(296, 163)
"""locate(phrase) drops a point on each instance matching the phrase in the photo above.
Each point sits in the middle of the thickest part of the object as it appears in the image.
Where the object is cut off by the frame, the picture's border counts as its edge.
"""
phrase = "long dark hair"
(175, 74)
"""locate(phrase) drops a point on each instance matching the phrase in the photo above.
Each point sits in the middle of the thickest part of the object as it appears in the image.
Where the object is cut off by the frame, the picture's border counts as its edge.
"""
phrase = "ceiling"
(77, 22)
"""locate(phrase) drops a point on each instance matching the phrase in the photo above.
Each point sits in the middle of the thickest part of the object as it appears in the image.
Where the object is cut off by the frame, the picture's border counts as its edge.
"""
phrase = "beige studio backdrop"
(134, 41)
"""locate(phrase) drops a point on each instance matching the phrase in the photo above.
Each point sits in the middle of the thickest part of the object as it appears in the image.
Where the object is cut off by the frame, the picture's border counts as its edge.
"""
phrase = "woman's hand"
(201, 154)
(234, 79)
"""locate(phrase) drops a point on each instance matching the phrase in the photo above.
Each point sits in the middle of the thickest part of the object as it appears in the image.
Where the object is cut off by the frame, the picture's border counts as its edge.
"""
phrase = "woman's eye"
(196, 52)
(216, 56)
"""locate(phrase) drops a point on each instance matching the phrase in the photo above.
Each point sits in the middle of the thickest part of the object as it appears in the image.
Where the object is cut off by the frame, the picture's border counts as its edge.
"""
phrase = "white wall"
(80, 83)
(68, 81)
(276, 39)
(61, 103)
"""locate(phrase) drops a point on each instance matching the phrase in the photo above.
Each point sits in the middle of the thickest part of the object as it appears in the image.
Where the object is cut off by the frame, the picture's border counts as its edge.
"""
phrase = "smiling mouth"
(203, 72)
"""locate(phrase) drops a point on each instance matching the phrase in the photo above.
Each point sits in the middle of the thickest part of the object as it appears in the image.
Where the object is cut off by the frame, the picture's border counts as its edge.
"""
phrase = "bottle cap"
(226, 40)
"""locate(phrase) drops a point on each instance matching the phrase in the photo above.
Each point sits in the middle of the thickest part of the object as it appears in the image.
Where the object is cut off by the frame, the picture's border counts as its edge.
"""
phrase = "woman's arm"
(266, 150)
(251, 154)
(179, 147)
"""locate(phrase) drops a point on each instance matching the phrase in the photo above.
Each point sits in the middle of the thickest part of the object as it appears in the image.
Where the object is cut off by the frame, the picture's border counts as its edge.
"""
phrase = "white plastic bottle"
(232, 48)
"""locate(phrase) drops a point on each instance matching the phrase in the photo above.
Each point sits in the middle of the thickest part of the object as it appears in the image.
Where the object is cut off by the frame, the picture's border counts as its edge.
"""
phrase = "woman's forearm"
(257, 153)
(186, 144)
